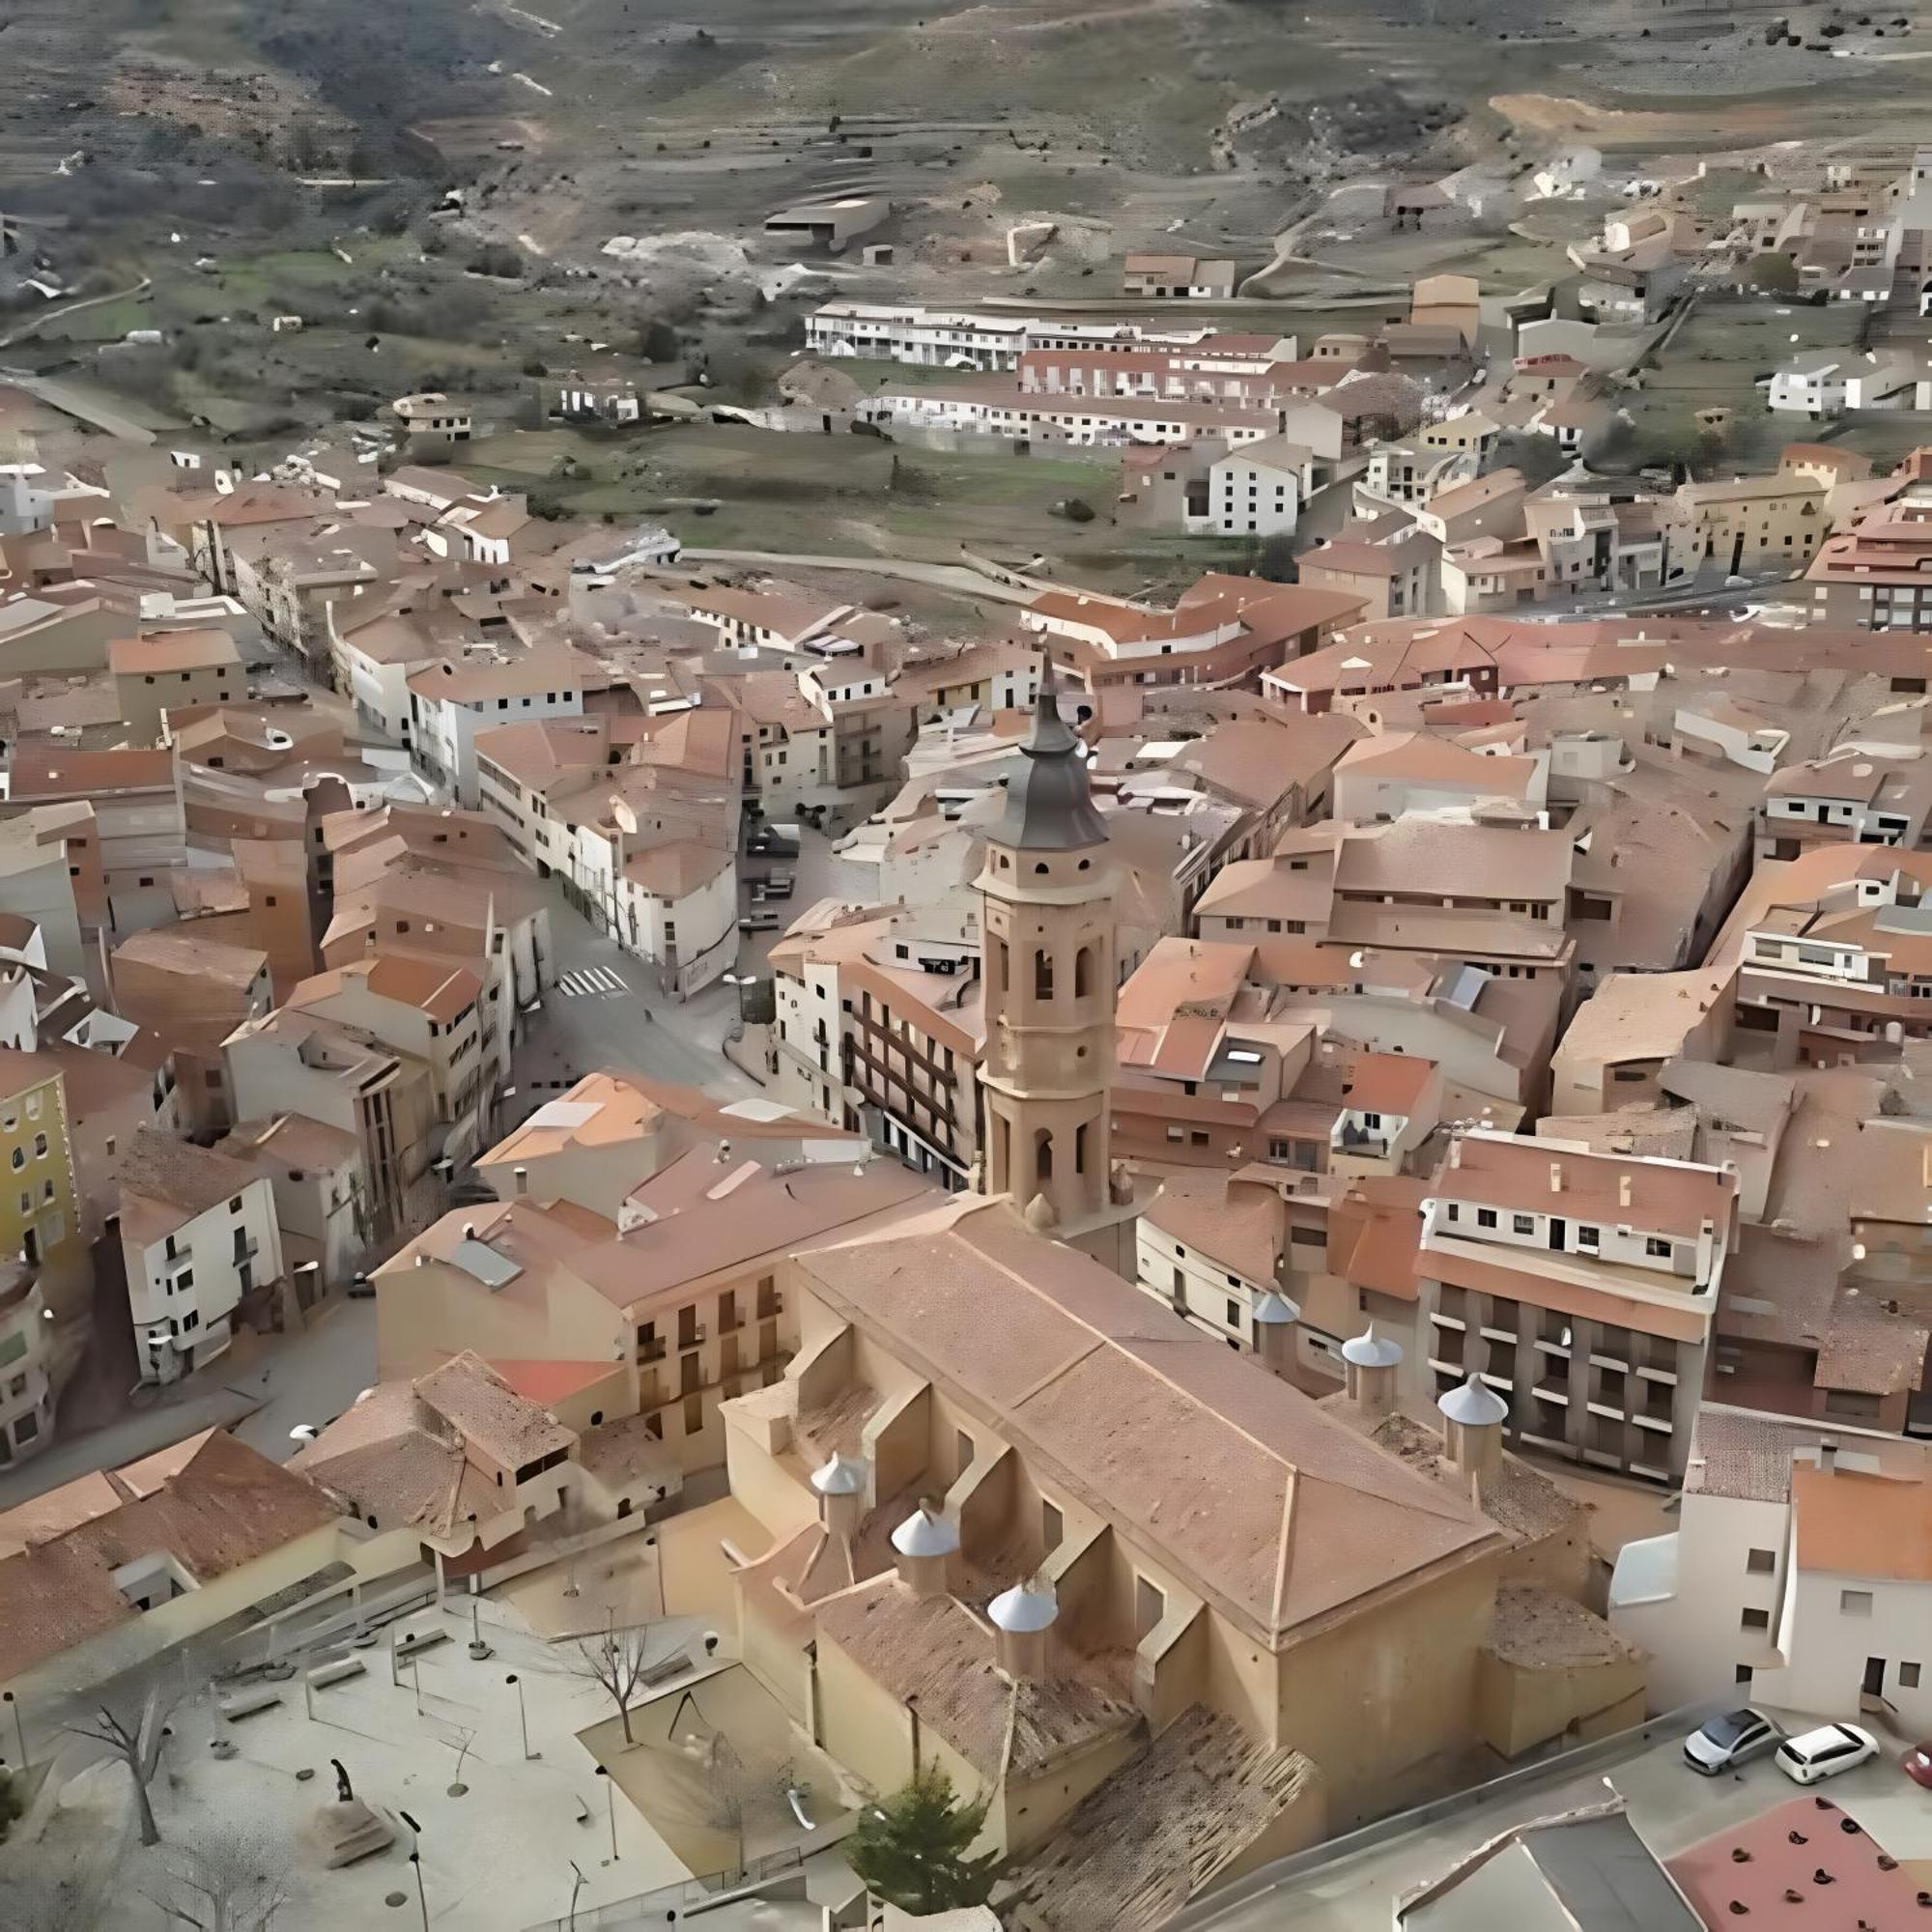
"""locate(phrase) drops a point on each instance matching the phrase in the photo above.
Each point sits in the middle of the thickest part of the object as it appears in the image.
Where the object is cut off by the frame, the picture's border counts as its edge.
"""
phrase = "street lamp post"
(20, 1726)
(576, 1885)
(523, 1717)
(415, 1860)
(610, 1802)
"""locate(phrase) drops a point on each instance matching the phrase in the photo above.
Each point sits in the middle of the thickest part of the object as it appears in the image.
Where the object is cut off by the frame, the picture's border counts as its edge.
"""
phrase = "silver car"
(1730, 1740)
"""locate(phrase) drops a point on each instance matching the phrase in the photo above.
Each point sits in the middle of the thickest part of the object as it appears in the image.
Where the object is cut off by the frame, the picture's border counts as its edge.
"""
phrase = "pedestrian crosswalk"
(598, 981)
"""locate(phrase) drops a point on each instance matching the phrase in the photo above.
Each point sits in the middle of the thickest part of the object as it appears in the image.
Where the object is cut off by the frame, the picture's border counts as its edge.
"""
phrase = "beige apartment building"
(681, 1287)
(341, 1076)
(1749, 524)
(879, 1027)
(1579, 1286)
(139, 827)
(175, 671)
(428, 1010)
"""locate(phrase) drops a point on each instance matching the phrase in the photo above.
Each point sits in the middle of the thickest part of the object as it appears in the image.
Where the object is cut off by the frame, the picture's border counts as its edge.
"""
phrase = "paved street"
(1670, 1805)
(608, 1011)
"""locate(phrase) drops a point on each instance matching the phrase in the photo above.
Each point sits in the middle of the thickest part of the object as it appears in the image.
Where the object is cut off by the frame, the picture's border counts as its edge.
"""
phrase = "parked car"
(1728, 1740)
(1916, 1764)
(361, 1289)
(760, 922)
(1825, 1752)
(773, 842)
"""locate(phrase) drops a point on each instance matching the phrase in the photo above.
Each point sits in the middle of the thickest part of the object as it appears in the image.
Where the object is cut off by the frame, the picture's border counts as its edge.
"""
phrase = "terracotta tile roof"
(468, 1395)
(192, 955)
(547, 1382)
(172, 651)
(1238, 1227)
(430, 985)
(1852, 1525)
(1512, 1171)
(166, 1182)
(1388, 1082)
(211, 1503)
(54, 771)
(936, 1651)
(1276, 1512)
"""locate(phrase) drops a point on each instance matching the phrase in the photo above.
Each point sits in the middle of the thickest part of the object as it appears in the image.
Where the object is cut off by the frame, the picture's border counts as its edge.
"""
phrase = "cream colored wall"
(594, 1178)
(775, 1496)
(1518, 1708)
(771, 1642)
(1386, 1701)
(424, 1314)
(867, 1731)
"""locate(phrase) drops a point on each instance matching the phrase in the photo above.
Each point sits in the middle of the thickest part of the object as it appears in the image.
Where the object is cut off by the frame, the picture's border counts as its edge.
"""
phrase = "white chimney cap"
(1474, 1404)
(1371, 1350)
(1274, 1310)
(842, 1476)
(1026, 1606)
(925, 1533)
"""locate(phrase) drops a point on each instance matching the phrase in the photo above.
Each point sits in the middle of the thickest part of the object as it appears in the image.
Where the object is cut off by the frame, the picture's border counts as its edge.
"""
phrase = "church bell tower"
(1047, 920)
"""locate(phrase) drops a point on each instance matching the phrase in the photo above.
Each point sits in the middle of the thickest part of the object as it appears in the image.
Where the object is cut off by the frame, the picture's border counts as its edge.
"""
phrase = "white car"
(1825, 1752)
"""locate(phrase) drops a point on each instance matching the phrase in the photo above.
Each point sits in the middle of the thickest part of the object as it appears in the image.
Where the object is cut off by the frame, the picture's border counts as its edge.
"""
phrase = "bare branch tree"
(136, 1741)
(618, 1660)
(231, 1882)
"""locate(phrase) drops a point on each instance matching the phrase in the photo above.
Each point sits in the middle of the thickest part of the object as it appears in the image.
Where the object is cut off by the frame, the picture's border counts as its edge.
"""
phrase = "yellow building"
(39, 1215)
(680, 1291)
(1748, 524)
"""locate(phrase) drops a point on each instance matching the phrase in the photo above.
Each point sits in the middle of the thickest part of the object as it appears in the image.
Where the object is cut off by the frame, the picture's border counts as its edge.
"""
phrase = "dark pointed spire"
(1049, 808)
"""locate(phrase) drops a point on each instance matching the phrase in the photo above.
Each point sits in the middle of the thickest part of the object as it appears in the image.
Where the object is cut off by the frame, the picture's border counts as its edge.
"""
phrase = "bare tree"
(618, 1660)
(225, 1883)
(136, 1741)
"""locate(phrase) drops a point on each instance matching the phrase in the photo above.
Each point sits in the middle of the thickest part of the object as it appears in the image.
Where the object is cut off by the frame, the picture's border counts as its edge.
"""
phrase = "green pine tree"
(911, 1851)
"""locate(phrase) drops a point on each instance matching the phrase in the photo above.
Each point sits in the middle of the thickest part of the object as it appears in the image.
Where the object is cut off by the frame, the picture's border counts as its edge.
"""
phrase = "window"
(1757, 1620)
(19, 1159)
(1234, 1315)
(1742, 1675)
(1761, 1562)
(694, 1412)
(1486, 1217)
(39, 1146)
(1855, 1602)
(1522, 1224)
(1587, 1238)
(1042, 974)
(1654, 1245)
